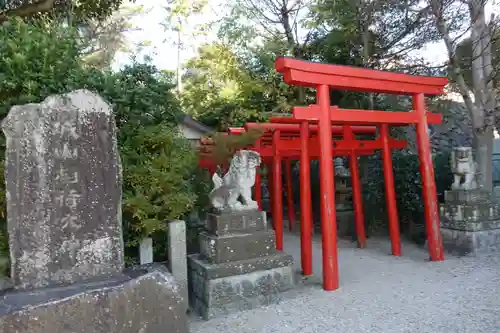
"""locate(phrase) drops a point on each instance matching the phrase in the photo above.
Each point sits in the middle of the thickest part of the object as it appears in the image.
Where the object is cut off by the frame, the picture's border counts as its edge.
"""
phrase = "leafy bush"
(158, 165)
(408, 190)
(36, 60)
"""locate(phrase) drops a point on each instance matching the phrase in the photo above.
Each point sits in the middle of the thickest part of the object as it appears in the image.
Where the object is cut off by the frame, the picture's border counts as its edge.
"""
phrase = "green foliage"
(78, 11)
(103, 39)
(40, 59)
(36, 60)
(407, 185)
(219, 92)
(226, 145)
(158, 164)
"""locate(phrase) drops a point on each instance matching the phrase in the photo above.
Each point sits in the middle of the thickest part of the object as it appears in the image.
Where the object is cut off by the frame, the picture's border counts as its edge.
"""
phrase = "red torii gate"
(293, 143)
(298, 144)
(323, 77)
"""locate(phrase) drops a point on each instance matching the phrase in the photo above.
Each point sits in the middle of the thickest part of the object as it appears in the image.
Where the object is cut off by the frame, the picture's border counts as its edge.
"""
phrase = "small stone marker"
(63, 177)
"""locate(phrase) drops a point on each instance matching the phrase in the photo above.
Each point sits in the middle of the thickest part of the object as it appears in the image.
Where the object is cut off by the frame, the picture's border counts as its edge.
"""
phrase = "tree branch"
(28, 9)
(476, 115)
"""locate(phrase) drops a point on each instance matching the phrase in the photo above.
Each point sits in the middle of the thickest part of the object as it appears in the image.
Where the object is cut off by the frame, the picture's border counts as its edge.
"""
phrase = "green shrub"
(158, 166)
(408, 190)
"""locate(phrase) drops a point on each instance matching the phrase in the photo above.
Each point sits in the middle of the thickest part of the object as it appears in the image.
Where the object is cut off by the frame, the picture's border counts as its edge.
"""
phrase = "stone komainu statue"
(463, 165)
(237, 183)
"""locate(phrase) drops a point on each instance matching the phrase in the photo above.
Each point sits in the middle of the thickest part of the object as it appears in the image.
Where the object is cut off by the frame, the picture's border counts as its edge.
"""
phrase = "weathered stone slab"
(5, 284)
(470, 225)
(460, 242)
(219, 249)
(212, 298)
(345, 223)
(467, 196)
(206, 270)
(63, 178)
(237, 221)
(140, 301)
(470, 212)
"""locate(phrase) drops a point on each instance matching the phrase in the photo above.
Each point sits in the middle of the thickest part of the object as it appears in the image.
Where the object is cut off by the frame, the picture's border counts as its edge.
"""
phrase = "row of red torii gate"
(321, 131)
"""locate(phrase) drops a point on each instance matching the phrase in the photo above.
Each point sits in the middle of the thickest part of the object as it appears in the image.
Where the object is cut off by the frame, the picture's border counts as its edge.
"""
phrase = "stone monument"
(63, 180)
(343, 199)
(470, 218)
(238, 267)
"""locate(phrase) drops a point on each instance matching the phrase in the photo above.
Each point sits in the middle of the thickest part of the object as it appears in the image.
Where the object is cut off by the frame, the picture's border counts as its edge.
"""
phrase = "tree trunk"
(293, 45)
(481, 109)
(483, 146)
(366, 56)
(483, 92)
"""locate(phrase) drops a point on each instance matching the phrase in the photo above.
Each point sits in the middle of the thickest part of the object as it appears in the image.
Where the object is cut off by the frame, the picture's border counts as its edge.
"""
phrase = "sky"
(164, 54)
(161, 50)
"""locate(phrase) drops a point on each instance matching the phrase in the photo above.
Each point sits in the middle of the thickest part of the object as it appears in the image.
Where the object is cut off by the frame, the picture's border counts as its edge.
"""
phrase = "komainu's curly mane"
(236, 183)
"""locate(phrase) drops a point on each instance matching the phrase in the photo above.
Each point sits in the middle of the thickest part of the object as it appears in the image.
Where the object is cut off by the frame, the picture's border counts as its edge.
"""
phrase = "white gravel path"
(380, 293)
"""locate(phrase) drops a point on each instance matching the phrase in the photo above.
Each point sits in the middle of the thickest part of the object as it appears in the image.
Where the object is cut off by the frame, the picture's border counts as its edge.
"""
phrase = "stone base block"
(470, 225)
(143, 300)
(236, 222)
(467, 196)
(462, 242)
(233, 247)
(198, 265)
(211, 298)
(470, 212)
(345, 223)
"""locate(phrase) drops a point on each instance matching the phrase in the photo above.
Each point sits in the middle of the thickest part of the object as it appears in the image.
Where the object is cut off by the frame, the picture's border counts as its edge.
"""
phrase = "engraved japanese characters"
(237, 183)
(463, 165)
(63, 178)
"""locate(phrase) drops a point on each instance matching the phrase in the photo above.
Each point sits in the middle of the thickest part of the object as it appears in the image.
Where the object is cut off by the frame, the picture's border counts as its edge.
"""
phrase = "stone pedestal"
(343, 205)
(239, 267)
(470, 222)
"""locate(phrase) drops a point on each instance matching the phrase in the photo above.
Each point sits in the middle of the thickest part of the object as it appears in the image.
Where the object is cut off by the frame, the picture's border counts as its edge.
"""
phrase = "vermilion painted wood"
(313, 74)
(270, 185)
(295, 127)
(357, 196)
(305, 202)
(206, 160)
(434, 239)
(327, 188)
(390, 192)
(277, 193)
(291, 148)
(289, 194)
(294, 144)
(366, 117)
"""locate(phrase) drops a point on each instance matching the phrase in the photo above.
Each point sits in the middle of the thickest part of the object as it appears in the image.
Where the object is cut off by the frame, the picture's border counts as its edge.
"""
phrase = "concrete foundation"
(470, 222)
(238, 267)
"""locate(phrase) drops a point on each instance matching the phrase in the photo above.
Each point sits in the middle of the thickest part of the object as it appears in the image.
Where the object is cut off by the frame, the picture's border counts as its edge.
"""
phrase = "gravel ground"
(380, 293)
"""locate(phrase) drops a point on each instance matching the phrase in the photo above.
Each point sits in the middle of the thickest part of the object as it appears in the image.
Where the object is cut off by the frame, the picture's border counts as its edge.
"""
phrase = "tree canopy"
(80, 10)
